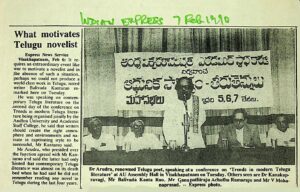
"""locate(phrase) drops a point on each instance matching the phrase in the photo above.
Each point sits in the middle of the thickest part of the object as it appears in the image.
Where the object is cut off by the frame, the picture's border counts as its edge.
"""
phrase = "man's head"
(95, 127)
(239, 118)
(137, 127)
(281, 123)
(184, 87)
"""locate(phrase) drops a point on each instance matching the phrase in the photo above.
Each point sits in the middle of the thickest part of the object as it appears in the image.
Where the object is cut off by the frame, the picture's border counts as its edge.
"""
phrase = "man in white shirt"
(136, 139)
(281, 135)
(173, 128)
(96, 140)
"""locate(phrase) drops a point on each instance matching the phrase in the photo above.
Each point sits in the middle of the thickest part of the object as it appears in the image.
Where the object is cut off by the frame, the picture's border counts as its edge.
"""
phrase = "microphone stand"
(186, 125)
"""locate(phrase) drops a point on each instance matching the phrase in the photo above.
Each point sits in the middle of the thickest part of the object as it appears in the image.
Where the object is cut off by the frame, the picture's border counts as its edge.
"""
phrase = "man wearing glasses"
(239, 133)
(184, 102)
(137, 139)
(281, 134)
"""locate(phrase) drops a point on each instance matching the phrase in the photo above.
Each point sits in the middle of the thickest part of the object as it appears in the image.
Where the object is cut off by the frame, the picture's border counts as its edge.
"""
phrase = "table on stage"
(208, 156)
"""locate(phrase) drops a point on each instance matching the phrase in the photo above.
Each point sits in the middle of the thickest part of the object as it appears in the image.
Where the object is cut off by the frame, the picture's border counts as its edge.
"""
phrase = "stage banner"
(222, 80)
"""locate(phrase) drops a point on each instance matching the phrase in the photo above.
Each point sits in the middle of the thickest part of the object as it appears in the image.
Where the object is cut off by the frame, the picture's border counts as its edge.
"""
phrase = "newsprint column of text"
(46, 106)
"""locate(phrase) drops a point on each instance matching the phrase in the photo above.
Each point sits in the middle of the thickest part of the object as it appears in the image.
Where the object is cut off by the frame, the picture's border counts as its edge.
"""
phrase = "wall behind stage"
(100, 44)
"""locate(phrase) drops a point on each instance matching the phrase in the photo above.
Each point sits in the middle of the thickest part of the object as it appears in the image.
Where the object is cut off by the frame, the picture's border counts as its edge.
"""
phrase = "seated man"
(96, 140)
(239, 133)
(136, 139)
(281, 135)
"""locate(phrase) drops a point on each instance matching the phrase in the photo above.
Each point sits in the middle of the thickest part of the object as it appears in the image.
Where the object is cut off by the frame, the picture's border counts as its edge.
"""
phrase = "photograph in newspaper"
(189, 96)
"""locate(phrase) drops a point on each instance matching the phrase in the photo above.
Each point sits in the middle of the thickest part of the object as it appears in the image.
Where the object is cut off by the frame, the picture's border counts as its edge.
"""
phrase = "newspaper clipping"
(189, 101)
(192, 107)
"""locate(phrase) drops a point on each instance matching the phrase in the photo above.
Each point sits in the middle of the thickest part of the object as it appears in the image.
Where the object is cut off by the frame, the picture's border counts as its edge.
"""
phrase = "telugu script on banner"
(222, 80)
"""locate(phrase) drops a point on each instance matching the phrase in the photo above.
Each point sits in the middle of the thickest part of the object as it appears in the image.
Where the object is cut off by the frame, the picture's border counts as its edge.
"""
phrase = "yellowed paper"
(74, 48)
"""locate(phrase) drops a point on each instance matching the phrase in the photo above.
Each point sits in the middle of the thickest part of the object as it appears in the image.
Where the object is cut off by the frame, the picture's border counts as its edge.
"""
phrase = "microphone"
(185, 101)
(184, 96)
(186, 123)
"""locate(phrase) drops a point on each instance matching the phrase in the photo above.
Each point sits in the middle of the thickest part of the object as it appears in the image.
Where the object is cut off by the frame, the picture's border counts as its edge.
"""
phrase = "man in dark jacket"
(239, 133)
